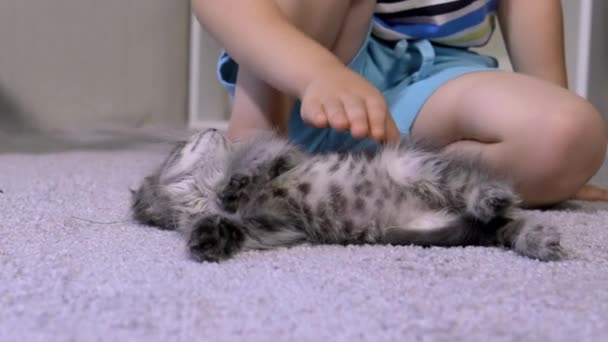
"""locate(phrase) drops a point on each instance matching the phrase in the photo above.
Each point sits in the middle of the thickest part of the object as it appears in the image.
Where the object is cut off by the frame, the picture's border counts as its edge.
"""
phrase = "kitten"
(266, 193)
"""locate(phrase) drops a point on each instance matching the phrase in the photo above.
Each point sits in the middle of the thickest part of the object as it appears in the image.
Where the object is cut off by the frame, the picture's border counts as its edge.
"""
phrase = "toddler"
(351, 74)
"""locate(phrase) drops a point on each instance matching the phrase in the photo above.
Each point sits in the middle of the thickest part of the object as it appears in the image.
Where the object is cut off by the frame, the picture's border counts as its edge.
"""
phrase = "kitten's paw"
(540, 242)
(490, 200)
(214, 239)
(234, 191)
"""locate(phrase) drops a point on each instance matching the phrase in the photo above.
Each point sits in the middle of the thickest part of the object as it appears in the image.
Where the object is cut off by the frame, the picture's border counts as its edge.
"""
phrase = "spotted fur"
(268, 193)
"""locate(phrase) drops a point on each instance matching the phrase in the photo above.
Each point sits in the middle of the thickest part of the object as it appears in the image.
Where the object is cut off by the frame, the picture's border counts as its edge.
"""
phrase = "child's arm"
(534, 36)
(259, 37)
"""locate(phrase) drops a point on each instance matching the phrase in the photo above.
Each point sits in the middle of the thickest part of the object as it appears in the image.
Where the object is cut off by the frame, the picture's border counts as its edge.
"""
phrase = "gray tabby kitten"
(267, 193)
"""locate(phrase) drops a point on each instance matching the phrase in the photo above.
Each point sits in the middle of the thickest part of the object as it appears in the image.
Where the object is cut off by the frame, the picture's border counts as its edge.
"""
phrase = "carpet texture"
(75, 267)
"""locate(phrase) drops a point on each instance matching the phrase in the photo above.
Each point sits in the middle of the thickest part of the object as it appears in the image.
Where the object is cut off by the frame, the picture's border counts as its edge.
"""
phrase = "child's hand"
(343, 100)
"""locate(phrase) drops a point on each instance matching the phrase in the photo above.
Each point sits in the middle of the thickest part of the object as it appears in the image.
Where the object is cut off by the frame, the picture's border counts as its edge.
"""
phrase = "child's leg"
(550, 140)
(341, 26)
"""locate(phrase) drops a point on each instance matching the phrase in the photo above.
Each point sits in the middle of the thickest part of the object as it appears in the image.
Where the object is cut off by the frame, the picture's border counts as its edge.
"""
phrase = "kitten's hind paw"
(214, 239)
(540, 242)
(490, 200)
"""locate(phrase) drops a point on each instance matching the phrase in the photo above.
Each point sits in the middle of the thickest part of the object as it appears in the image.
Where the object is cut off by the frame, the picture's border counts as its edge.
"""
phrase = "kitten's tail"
(462, 231)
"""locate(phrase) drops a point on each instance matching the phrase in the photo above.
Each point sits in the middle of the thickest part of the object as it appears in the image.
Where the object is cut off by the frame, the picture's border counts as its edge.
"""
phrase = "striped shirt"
(459, 23)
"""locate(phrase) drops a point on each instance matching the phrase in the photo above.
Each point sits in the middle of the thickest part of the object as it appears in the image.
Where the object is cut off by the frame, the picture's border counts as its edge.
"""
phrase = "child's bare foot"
(590, 192)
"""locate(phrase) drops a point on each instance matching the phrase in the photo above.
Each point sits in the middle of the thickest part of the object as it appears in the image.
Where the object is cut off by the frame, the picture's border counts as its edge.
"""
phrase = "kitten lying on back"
(267, 193)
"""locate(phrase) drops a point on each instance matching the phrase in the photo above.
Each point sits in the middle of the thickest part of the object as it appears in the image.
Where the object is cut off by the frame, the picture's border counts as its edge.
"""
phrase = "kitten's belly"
(361, 201)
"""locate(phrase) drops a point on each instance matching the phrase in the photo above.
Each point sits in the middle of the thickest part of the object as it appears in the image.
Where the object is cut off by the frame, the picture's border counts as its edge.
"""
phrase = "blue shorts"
(407, 73)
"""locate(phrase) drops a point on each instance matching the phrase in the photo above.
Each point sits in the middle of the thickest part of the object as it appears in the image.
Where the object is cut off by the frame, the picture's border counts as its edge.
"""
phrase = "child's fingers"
(357, 115)
(377, 114)
(336, 115)
(313, 114)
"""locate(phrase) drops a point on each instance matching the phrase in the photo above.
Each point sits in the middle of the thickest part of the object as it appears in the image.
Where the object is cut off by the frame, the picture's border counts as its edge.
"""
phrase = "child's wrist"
(318, 71)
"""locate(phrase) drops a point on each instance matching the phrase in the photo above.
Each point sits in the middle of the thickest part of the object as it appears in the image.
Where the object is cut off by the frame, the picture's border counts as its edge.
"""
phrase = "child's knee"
(571, 146)
(579, 133)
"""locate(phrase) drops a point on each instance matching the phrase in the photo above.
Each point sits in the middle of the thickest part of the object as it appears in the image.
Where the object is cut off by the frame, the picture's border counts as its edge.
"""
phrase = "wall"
(75, 63)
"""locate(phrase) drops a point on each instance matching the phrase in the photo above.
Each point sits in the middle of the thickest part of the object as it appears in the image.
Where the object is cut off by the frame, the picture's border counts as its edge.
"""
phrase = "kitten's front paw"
(233, 192)
(540, 242)
(214, 239)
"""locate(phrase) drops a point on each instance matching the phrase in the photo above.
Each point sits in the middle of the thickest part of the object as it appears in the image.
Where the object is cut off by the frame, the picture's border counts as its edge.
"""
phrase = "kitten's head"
(186, 182)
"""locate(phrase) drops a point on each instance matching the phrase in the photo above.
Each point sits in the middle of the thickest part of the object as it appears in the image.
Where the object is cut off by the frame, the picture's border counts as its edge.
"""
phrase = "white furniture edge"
(583, 48)
(195, 121)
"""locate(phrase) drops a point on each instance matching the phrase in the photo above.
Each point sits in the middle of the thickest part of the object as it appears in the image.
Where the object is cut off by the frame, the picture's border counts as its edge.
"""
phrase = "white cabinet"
(208, 104)
(597, 81)
(577, 32)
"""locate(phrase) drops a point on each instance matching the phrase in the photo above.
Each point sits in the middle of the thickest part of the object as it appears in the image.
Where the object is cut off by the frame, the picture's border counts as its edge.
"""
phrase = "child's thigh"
(496, 106)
